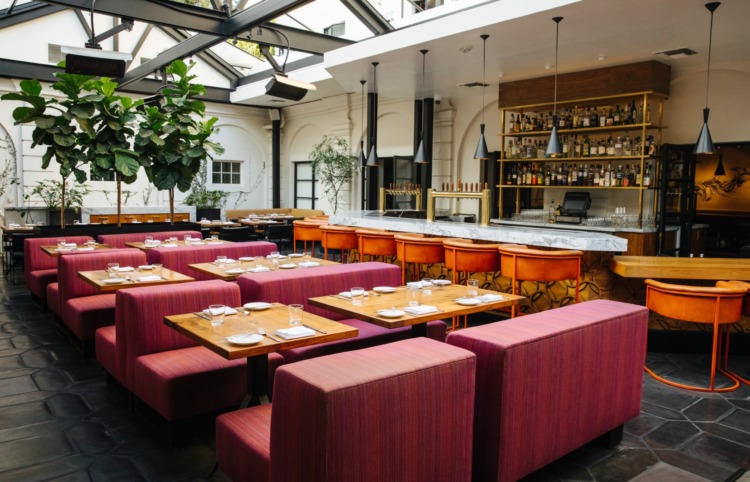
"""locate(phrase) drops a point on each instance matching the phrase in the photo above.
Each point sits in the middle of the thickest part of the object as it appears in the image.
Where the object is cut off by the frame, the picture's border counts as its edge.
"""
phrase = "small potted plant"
(50, 193)
(207, 203)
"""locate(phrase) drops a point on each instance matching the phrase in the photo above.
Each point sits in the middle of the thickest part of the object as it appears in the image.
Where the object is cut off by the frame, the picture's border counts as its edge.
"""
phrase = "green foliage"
(50, 192)
(334, 167)
(201, 197)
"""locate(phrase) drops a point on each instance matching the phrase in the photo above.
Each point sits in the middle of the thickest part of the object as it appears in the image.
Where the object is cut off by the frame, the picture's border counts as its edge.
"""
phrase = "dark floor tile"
(667, 473)
(16, 385)
(708, 410)
(623, 465)
(17, 415)
(50, 470)
(38, 358)
(739, 419)
(740, 403)
(671, 435)
(32, 429)
(726, 432)
(81, 476)
(703, 468)
(22, 453)
(663, 395)
(659, 411)
(116, 469)
(195, 460)
(68, 406)
(723, 453)
(10, 363)
(51, 379)
(643, 423)
(90, 438)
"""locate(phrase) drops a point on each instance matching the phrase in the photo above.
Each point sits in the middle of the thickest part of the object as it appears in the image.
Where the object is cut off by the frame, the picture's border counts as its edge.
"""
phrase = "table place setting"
(294, 332)
(257, 306)
(309, 264)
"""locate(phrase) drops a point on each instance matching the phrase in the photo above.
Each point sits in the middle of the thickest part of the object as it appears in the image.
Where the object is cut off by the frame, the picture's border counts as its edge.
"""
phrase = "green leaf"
(22, 115)
(157, 140)
(13, 96)
(126, 164)
(83, 110)
(166, 179)
(196, 151)
(31, 87)
(64, 140)
(45, 122)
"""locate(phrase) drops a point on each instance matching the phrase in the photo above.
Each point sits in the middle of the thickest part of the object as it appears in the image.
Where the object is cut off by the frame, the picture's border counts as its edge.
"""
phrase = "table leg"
(257, 381)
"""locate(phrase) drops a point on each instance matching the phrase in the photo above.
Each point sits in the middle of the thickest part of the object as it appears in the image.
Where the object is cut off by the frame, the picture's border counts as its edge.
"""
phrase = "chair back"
(466, 255)
(375, 242)
(416, 248)
(701, 304)
(140, 312)
(280, 234)
(742, 284)
(119, 240)
(305, 230)
(520, 262)
(35, 259)
(180, 257)
(297, 285)
(72, 286)
(237, 234)
(400, 411)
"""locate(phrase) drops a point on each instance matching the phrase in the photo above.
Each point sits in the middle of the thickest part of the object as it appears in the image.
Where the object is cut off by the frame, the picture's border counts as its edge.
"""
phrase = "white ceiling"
(594, 33)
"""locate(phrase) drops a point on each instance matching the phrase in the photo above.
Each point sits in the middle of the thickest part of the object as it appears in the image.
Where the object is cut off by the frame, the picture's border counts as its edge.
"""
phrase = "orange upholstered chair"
(375, 243)
(717, 306)
(745, 307)
(343, 238)
(418, 249)
(307, 230)
(520, 263)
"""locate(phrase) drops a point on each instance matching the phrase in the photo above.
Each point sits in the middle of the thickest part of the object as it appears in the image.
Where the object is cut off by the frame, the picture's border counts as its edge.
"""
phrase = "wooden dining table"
(54, 251)
(445, 299)
(667, 267)
(145, 247)
(198, 328)
(232, 271)
(130, 279)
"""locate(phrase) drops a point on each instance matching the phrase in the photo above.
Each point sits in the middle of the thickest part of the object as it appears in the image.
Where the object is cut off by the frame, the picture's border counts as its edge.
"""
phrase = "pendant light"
(361, 160)
(421, 157)
(482, 152)
(553, 146)
(372, 159)
(705, 145)
(720, 167)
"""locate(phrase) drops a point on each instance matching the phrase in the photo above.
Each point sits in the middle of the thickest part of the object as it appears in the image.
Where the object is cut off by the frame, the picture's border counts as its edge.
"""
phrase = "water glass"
(60, 243)
(216, 313)
(426, 286)
(214, 237)
(149, 240)
(414, 294)
(113, 269)
(221, 261)
(295, 314)
(358, 295)
(472, 287)
(156, 268)
(187, 238)
(91, 243)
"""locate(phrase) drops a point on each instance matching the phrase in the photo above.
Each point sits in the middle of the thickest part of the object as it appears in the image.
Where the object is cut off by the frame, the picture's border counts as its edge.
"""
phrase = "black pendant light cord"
(484, 68)
(557, 49)
(711, 7)
(424, 56)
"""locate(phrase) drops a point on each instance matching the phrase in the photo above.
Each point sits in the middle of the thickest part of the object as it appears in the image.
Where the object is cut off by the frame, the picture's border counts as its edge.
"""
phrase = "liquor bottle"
(586, 148)
(610, 118)
(576, 118)
(551, 211)
(598, 175)
(627, 149)
(512, 123)
(638, 175)
(517, 127)
(518, 175)
(640, 113)
(618, 147)
(610, 147)
(548, 177)
(602, 118)
(581, 175)
(647, 176)
(618, 181)
(633, 114)
(616, 117)
(648, 113)
(594, 118)
(509, 175)
(509, 149)
(626, 176)
(586, 118)
(601, 150)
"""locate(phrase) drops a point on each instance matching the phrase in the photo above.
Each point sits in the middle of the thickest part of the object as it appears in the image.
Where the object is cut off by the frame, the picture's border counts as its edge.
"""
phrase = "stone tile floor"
(58, 421)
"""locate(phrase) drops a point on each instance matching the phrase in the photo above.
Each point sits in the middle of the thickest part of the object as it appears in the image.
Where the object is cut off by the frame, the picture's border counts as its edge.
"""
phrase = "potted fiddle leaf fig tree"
(173, 139)
(60, 124)
(334, 166)
(207, 202)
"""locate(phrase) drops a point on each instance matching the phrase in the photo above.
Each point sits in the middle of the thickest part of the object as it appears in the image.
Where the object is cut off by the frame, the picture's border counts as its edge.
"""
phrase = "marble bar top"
(532, 236)
(575, 227)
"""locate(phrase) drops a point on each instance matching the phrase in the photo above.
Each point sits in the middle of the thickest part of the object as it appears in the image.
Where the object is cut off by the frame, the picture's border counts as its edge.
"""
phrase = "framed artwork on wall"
(727, 192)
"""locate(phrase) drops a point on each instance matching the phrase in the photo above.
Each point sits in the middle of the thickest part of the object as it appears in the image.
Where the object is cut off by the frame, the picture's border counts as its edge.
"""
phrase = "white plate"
(287, 266)
(235, 271)
(384, 289)
(112, 281)
(391, 313)
(295, 255)
(245, 339)
(247, 258)
(257, 306)
(469, 301)
(441, 282)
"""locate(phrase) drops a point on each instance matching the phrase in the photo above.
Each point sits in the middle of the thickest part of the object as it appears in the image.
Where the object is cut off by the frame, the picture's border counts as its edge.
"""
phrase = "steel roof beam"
(26, 12)
(369, 16)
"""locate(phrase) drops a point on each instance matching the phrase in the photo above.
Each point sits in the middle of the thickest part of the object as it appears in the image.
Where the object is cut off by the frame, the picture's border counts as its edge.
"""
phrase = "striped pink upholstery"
(106, 352)
(119, 240)
(53, 299)
(296, 286)
(165, 369)
(400, 411)
(179, 258)
(84, 308)
(39, 268)
(550, 382)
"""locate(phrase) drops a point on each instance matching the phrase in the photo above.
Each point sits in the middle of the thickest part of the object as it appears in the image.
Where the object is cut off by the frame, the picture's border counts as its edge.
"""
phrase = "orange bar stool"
(305, 231)
(717, 306)
(343, 238)
(745, 308)
(376, 243)
(520, 264)
(418, 249)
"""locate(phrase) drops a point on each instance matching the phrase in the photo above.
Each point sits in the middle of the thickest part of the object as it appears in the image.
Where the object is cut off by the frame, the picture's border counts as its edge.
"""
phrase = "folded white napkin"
(228, 311)
(214, 242)
(168, 245)
(294, 332)
(348, 294)
(125, 269)
(14, 225)
(145, 267)
(234, 271)
(152, 277)
(489, 298)
(84, 249)
(420, 310)
(262, 269)
(70, 245)
(228, 261)
(308, 264)
(64, 249)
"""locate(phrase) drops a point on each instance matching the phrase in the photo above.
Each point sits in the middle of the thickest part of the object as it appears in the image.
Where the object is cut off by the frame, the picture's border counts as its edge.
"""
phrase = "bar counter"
(528, 235)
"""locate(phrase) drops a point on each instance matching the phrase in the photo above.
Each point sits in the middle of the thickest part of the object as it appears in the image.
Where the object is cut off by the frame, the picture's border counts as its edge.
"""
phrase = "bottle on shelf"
(551, 211)
(616, 117)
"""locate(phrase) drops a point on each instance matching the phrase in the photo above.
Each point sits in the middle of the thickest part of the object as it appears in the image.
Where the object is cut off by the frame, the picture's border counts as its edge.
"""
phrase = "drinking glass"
(214, 237)
(414, 294)
(113, 269)
(156, 268)
(295, 314)
(221, 261)
(274, 254)
(472, 287)
(60, 243)
(426, 286)
(149, 239)
(187, 238)
(358, 295)
(217, 314)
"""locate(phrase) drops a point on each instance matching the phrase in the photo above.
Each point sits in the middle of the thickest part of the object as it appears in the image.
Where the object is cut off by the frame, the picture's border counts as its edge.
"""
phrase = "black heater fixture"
(720, 167)
(553, 146)
(361, 160)
(482, 152)
(705, 145)
(372, 159)
(421, 156)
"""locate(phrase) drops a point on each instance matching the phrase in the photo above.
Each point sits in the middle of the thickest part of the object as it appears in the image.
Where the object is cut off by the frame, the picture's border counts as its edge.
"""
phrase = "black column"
(374, 174)
(276, 157)
(426, 122)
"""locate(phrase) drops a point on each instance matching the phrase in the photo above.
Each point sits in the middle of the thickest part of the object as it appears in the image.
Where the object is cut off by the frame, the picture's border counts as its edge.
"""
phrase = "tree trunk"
(62, 205)
(171, 206)
(119, 199)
